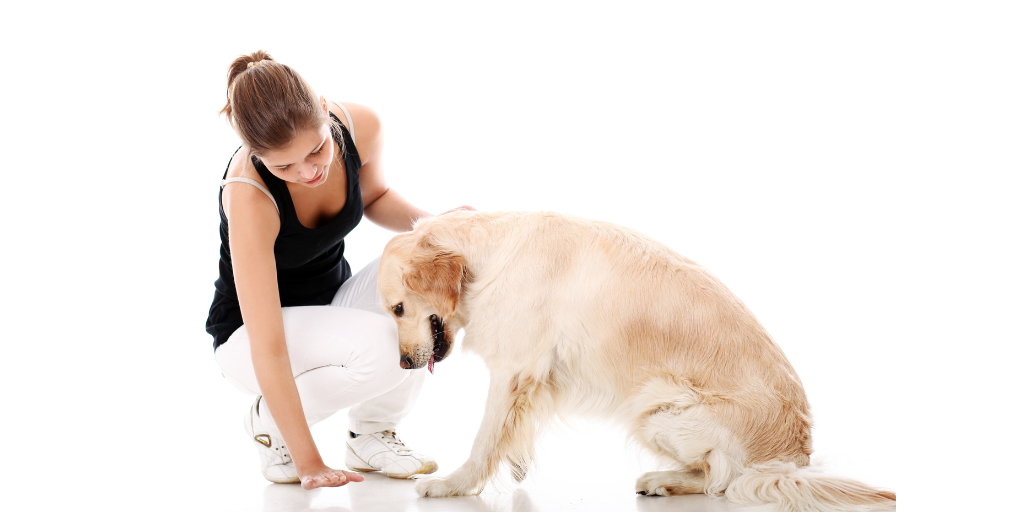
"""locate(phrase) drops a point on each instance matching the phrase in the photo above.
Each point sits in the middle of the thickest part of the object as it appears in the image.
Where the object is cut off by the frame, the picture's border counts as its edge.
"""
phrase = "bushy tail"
(787, 488)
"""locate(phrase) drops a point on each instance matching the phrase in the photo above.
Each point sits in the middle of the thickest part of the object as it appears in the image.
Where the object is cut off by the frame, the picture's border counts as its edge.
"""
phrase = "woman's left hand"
(463, 208)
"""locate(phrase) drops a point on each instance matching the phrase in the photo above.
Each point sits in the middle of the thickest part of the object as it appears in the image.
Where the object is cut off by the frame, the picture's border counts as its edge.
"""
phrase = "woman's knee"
(379, 338)
(361, 341)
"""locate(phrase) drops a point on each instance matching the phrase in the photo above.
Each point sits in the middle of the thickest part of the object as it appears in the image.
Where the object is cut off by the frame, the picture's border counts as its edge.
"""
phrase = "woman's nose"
(308, 172)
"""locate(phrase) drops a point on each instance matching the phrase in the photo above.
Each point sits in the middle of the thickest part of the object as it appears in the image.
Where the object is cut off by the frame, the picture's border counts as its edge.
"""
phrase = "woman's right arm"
(253, 224)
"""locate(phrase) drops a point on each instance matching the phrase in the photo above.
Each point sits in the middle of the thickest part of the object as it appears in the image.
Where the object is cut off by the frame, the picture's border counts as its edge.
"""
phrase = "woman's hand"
(463, 208)
(324, 476)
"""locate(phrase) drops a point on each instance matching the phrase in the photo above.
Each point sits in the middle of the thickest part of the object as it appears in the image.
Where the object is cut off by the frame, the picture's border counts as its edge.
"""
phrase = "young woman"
(290, 321)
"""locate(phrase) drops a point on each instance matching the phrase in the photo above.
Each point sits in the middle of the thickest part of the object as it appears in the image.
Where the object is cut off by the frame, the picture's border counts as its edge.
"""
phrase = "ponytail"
(239, 66)
(268, 103)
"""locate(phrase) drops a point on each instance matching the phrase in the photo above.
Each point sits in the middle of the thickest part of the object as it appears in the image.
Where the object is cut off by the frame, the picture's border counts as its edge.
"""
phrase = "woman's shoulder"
(364, 125)
(242, 167)
(364, 128)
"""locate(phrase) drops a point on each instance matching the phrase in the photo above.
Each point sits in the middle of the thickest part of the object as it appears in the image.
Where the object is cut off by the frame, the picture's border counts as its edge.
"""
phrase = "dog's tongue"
(430, 364)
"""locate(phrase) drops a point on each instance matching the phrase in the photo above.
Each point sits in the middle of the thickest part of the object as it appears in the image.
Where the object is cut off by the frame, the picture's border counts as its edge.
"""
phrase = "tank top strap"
(255, 184)
(343, 136)
(348, 117)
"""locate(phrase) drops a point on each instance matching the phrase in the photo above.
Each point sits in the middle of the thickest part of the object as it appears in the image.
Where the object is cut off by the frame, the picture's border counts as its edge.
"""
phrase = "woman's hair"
(269, 103)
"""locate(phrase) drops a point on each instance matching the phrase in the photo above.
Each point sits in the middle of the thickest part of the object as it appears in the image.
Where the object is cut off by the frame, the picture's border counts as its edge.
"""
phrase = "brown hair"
(269, 103)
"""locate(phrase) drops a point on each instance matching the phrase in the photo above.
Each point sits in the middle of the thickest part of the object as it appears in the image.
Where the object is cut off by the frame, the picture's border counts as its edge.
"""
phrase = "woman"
(290, 322)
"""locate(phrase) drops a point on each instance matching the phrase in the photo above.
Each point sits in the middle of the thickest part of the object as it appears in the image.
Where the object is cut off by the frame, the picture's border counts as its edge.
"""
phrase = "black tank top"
(311, 263)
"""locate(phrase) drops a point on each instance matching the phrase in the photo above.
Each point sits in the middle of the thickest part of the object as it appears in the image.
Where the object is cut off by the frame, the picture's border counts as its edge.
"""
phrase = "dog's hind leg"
(514, 408)
(707, 454)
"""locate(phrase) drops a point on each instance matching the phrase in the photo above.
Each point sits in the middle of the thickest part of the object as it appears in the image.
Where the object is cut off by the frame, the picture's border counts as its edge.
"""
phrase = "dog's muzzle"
(438, 353)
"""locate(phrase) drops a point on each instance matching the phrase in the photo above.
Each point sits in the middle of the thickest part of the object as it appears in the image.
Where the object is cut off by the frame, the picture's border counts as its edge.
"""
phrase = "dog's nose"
(406, 362)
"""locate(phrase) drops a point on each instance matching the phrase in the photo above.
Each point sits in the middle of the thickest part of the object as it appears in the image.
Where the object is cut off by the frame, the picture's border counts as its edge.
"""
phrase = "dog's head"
(420, 284)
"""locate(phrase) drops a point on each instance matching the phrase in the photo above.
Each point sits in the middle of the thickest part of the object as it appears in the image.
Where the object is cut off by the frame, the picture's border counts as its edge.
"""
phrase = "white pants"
(342, 355)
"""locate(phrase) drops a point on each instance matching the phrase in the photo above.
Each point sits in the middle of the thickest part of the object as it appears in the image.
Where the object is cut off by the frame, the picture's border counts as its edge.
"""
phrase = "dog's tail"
(784, 487)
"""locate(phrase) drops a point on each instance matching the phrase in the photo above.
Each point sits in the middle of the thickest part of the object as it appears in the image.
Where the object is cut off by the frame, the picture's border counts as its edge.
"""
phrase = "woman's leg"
(340, 357)
(384, 411)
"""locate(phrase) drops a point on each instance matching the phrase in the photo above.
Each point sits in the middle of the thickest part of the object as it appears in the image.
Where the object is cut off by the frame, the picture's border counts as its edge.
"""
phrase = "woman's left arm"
(382, 204)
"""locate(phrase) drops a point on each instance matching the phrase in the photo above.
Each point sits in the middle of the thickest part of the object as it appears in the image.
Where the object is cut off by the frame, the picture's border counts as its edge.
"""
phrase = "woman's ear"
(437, 276)
(323, 104)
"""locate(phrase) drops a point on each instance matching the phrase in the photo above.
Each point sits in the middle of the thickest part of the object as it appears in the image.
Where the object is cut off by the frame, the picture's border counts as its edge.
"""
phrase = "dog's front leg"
(507, 431)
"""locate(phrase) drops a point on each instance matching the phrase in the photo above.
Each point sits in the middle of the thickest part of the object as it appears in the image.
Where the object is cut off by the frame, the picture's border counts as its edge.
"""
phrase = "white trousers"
(342, 355)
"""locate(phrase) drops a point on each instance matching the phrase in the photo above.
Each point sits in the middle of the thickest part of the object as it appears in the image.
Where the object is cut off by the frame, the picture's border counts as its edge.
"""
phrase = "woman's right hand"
(324, 476)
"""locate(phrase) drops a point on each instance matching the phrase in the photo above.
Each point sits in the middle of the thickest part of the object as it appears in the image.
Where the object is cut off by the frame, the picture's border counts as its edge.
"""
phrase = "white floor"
(579, 492)
(589, 468)
(169, 437)
(585, 466)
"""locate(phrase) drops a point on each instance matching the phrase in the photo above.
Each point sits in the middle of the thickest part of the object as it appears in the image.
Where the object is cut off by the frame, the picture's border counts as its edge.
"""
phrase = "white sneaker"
(384, 452)
(275, 462)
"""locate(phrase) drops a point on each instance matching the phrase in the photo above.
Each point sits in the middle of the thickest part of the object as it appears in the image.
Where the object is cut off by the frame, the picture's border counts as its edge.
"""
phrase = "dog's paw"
(441, 488)
(669, 483)
(650, 485)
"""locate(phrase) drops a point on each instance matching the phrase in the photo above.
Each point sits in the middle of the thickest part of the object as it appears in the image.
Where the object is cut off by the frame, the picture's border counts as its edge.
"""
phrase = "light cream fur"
(573, 316)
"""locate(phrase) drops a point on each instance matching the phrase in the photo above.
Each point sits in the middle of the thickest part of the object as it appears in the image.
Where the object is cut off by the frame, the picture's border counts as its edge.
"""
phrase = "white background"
(852, 172)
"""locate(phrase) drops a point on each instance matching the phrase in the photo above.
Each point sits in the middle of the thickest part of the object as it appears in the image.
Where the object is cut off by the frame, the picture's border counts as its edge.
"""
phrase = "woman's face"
(306, 160)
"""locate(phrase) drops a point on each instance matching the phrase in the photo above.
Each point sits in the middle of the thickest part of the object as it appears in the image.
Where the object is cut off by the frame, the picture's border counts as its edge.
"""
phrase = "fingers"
(312, 482)
(337, 478)
(329, 478)
(463, 208)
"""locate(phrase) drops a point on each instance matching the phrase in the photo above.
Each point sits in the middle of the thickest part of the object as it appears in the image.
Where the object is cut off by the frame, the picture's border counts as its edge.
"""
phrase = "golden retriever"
(578, 316)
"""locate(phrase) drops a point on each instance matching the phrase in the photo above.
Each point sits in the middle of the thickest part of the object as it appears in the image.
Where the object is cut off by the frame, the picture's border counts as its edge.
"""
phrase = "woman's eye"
(398, 309)
(317, 152)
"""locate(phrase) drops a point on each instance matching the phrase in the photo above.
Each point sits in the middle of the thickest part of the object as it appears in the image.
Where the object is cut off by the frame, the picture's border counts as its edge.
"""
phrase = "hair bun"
(256, 57)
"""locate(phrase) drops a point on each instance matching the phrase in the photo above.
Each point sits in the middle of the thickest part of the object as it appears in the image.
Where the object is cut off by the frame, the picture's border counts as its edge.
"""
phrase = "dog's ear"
(437, 275)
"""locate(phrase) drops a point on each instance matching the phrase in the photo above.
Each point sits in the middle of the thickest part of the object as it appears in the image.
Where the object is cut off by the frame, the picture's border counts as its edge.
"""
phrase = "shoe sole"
(294, 480)
(427, 468)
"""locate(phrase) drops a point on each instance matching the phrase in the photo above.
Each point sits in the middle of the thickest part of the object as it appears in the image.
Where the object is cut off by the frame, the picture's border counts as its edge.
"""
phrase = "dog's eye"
(398, 309)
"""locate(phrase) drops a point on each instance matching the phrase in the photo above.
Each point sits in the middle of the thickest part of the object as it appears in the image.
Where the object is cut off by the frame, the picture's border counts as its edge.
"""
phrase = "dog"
(573, 316)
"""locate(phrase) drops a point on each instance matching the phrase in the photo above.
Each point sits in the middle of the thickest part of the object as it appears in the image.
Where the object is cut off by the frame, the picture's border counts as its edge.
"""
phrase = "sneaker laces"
(391, 439)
